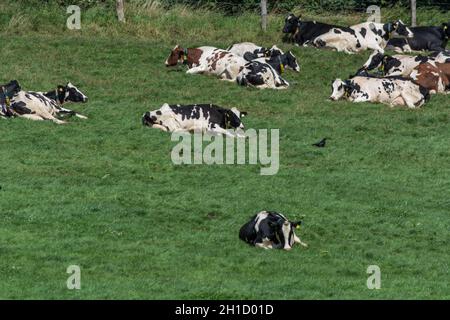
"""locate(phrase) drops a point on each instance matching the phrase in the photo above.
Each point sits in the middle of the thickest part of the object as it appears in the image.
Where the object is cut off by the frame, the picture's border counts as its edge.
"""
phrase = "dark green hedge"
(236, 6)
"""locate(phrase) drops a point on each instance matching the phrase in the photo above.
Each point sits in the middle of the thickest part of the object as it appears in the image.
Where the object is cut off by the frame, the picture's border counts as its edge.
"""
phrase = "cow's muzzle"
(147, 119)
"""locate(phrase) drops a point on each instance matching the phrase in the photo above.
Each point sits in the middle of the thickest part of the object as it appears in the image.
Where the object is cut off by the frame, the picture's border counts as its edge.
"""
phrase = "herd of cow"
(401, 80)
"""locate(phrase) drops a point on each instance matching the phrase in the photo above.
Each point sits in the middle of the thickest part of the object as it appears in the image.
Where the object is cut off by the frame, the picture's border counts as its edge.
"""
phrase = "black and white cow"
(47, 105)
(394, 91)
(442, 56)
(207, 118)
(425, 38)
(207, 60)
(261, 75)
(7, 91)
(304, 32)
(400, 65)
(279, 63)
(363, 36)
(240, 49)
(270, 230)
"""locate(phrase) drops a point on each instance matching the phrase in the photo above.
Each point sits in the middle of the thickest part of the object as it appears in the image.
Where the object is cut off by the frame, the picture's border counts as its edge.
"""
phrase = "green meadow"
(104, 194)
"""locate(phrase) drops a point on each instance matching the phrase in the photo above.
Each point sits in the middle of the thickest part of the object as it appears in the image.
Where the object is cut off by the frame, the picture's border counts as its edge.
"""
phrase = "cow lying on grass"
(304, 32)
(261, 75)
(394, 91)
(7, 91)
(279, 62)
(266, 72)
(434, 76)
(207, 60)
(270, 230)
(195, 118)
(363, 36)
(425, 38)
(399, 65)
(240, 49)
(47, 105)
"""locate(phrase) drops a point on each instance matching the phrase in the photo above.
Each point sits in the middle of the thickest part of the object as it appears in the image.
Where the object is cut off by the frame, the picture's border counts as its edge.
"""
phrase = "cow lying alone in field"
(197, 118)
(394, 91)
(47, 105)
(270, 230)
(207, 60)
(434, 76)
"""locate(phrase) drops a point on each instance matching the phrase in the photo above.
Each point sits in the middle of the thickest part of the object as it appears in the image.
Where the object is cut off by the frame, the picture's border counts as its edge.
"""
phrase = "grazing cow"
(207, 60)
(47, 105)
(400, 65)
(270, 230)
(198, 118)
(279, 63)
(363, 36)
(434, 76)
(240, 49)
(425, 38)
(7, 91)
(392, 91)
(261, 75)
(304, 32)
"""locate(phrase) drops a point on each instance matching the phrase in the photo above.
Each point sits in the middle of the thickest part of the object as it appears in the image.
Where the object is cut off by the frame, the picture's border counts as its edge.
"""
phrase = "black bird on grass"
(321, 143)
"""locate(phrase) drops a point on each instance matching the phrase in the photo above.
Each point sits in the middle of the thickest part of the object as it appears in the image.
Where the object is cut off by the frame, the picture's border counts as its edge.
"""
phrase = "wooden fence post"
(264, 15)
(413, 13)
(120, 10)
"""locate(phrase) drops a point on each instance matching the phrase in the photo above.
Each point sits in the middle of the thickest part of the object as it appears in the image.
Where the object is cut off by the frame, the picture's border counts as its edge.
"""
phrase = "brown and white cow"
(434, 76)
(207, 60)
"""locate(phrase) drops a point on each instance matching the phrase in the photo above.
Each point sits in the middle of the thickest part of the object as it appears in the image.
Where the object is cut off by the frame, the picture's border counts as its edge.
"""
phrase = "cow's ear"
(243, 114)
(297, 224)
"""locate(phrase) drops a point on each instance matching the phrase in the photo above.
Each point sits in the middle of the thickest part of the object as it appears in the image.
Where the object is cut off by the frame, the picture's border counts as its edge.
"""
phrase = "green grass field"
(103, 193)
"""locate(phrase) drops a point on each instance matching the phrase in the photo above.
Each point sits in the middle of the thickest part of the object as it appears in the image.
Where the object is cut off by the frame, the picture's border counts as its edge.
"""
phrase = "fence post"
(120, 11)
(413, 13)
(264, 15)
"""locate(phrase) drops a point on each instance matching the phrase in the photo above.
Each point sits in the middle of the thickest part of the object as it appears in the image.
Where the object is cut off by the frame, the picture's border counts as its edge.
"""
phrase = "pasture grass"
(103, 193)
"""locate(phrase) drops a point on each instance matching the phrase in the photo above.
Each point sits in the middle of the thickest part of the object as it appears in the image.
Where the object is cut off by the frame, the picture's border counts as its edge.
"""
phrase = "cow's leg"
(220, 130)
(266, 244)
(297, 240)
(409, 101)
(196, 70)
(33, 117)
(158, 126)
(72, 113)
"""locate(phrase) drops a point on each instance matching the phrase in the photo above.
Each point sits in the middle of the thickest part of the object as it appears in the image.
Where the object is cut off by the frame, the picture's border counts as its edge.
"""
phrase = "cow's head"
(290, 23)
(399, 28)
(284, 231)
(341, 89)
(233, 118)
(149, 118)
(375, 60)
(10, 89)
(177, 55)
(290, 61)
(446, 28)
(7, 91)
(70, 93)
